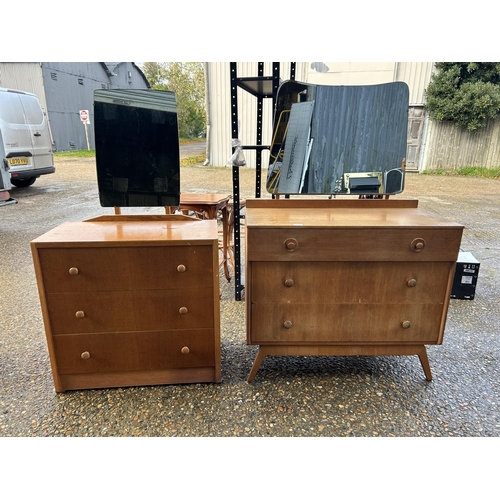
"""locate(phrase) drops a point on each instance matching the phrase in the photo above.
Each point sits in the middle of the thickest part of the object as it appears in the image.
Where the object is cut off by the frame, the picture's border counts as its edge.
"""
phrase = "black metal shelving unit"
(261, 87)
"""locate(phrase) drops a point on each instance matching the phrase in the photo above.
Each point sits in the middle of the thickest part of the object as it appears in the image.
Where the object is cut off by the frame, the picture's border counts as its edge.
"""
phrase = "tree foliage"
(187, 80)
(467, 93)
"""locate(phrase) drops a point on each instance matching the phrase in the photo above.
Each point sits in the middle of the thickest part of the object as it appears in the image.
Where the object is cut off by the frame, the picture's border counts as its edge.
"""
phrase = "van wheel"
(23, 183)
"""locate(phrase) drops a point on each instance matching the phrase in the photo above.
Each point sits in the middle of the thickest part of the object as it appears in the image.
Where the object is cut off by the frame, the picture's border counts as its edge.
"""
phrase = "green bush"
(465, 93)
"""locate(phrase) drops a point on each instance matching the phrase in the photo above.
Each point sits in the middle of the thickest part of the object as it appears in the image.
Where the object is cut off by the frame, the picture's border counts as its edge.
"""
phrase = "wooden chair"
(230, 237)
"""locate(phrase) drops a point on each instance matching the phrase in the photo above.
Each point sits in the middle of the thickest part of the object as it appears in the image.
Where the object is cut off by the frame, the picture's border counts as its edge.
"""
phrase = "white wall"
(24, 76)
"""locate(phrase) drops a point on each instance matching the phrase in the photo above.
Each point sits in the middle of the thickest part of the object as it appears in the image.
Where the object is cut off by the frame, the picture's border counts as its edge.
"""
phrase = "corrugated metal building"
(416, 74)
(65, 88)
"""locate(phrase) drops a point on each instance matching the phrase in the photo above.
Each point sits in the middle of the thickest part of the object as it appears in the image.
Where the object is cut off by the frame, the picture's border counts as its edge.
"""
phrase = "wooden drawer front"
(108, 352)
(126, 268)
(130, 311)
(357, 244)
(350, 282)
(340, 323)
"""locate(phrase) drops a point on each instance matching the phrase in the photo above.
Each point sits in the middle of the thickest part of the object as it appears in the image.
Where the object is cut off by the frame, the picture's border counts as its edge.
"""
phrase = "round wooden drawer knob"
(406, 324)
(185, 350)
(181, 268)
(85, 355)
(183, 310)
(287, 324)
(291, 244)
(80, 314)
(411, 283)
(73, 271)
(418, 244)
(289, 282)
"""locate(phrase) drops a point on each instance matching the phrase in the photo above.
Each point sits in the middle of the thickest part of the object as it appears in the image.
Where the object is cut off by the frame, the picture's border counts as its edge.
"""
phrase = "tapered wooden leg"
(341, 350)
(424, 360)
(256, 364)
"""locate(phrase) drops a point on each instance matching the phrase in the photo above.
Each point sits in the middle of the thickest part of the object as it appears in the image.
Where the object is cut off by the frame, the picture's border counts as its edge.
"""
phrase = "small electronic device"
(466, 275)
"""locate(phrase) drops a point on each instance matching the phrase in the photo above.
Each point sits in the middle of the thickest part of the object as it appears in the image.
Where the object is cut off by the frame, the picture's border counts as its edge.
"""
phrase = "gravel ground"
(309, 397)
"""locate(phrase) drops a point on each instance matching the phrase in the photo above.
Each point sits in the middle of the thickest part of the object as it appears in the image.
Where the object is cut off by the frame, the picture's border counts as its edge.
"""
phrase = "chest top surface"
(130, 233)
(326, 214)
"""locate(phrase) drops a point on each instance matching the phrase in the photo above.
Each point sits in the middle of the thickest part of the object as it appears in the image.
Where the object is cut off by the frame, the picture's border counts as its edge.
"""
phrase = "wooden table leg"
(225, 242)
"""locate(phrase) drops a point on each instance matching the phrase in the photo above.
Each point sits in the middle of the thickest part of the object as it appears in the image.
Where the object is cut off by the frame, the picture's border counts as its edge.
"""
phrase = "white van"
(26, 137)
(5, 185)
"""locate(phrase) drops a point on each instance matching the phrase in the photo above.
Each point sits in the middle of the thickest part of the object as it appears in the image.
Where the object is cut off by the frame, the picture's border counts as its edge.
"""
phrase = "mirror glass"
(137, 148)
(339, 140)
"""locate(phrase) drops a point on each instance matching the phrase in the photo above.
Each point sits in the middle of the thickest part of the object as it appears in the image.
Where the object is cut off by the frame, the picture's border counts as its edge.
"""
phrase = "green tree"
(467, 93)
(187, 80)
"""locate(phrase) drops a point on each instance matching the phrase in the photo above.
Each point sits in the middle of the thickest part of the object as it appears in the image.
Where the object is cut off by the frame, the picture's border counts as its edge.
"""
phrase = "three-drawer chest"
(130, 301)
(347, 277)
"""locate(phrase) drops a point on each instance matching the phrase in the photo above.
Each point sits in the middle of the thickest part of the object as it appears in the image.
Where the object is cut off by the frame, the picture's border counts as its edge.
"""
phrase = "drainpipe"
(207, 106)
(396, 69)
(423, 156)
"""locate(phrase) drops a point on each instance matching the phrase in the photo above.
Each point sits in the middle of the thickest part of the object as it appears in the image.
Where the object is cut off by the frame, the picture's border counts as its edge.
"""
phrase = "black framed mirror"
(339, 140)
(137, 148)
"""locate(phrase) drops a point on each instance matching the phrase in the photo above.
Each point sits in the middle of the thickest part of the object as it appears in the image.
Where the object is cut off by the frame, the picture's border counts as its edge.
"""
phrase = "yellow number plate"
(18, 161)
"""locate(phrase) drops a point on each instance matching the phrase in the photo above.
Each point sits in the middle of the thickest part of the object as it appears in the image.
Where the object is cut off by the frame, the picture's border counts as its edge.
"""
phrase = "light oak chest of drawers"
(129, 301)
(347, 277)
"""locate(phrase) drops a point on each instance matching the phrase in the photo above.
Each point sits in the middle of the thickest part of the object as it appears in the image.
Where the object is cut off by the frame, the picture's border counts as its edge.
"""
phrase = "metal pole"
(236, 184)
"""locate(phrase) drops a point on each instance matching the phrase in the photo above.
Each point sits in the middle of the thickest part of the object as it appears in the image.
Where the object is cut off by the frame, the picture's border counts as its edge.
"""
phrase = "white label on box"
(466, 280)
